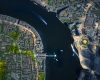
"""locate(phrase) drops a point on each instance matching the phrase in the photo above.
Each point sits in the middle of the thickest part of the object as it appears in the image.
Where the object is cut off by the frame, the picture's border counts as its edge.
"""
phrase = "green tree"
(29, 53)
(2, 69)
(13, 48)
(1, 28)
(41, 76)
(14, 35)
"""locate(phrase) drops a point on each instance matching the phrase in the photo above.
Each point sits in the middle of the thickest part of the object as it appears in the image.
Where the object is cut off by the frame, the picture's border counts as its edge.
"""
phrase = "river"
(56, 37)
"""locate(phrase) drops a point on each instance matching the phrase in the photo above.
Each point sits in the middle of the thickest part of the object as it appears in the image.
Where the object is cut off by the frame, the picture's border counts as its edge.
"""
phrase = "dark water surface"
(56, 37)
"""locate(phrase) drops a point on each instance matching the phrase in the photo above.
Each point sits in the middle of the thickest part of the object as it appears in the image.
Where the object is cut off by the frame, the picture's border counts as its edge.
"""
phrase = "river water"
(56, 37)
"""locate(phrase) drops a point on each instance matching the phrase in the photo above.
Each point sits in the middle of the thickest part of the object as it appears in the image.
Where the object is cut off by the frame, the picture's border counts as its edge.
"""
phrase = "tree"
(14, 35)
(1, 28)
(13, 48)
(2, 69)
(29, 53)
(41, 76)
